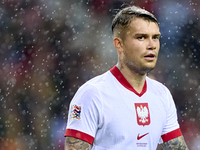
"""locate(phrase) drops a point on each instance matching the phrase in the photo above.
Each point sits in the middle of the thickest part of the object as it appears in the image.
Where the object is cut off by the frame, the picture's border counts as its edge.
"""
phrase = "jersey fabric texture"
(110, 115)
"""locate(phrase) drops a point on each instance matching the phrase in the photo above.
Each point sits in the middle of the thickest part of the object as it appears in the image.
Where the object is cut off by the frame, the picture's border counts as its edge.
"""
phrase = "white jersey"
(110, 115)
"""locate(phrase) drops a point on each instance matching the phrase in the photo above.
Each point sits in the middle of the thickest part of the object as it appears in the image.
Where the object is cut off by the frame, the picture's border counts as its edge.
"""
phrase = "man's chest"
(140, 119)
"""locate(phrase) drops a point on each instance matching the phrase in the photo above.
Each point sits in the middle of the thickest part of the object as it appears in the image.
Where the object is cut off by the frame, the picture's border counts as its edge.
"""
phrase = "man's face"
(140, 46)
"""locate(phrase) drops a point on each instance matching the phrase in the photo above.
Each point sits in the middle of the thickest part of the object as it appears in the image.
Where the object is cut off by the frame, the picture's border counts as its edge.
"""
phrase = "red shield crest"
(142, 112)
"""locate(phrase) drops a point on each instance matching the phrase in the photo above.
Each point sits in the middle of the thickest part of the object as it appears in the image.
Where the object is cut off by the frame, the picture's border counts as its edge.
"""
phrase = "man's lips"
(150, 56)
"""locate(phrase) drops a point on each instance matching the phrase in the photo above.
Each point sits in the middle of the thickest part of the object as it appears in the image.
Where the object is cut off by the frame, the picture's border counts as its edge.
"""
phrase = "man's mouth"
(150, 57)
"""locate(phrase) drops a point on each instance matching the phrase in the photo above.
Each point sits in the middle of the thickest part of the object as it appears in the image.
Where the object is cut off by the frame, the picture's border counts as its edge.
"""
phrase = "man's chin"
(146, 70)
(142, 69)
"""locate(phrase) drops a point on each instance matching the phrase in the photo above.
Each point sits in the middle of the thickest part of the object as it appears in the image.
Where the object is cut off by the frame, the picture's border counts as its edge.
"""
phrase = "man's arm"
(76, 144)
(174, 144)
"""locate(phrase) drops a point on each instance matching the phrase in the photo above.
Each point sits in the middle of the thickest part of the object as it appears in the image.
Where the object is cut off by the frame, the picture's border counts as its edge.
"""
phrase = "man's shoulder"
(98, 81)
(95, 86)
(152, 83)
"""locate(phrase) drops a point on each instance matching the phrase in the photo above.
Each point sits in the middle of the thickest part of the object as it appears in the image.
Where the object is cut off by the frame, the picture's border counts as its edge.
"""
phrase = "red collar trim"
(119, 76)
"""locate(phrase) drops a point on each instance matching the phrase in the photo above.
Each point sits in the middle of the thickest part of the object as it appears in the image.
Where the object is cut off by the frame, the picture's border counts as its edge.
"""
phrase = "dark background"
(48, 48)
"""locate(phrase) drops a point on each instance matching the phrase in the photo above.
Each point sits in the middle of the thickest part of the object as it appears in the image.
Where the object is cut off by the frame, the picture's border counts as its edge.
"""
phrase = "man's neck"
(136, 80)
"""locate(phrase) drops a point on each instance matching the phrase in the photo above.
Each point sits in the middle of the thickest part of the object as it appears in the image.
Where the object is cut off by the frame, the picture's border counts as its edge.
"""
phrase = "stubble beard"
(138, 69)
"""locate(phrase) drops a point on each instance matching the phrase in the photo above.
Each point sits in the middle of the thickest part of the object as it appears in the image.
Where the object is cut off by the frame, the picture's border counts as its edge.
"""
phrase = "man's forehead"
(150, 32)
(143, 27)
(140, 19)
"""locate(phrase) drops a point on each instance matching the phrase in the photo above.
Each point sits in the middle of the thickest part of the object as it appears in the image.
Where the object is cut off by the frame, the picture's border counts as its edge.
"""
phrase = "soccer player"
(123, 109)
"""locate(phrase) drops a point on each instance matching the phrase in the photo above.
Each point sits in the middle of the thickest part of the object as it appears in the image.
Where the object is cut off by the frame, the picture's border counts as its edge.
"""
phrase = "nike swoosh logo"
(139, 137)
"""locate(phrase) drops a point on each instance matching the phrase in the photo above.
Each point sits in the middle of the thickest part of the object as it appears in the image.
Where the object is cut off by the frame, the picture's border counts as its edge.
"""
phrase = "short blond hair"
(124, 17)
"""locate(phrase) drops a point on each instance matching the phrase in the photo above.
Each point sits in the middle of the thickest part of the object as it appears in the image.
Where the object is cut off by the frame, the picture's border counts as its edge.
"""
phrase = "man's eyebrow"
(159, 34)
(140, 34)
(145, 34)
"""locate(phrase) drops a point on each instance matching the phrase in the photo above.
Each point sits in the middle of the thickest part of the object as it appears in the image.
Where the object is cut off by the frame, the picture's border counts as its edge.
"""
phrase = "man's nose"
(151, 44)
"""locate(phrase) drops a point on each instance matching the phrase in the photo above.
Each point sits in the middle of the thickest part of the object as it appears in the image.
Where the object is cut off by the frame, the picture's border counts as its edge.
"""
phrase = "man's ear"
(118, 43)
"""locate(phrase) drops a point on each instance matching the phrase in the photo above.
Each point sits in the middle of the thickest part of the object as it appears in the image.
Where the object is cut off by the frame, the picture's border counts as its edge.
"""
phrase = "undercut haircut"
(125, 16)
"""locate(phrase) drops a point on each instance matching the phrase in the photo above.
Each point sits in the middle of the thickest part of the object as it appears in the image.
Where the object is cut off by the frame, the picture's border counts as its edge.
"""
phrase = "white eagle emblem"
(142, 114)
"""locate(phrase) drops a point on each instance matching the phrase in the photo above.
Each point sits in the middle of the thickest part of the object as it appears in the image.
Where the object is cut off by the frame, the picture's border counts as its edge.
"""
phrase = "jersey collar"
(119, 76)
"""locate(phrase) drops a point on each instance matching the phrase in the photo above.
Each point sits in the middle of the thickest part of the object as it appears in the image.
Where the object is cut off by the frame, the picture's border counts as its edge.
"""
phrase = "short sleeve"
(171, 128)
(84, 114)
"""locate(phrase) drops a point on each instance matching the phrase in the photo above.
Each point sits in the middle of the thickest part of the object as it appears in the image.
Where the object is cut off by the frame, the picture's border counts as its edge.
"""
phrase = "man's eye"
(156, 37)
(141, 38)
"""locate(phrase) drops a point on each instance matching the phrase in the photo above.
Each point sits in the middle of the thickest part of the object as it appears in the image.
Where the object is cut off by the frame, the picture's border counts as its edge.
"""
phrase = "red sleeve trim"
(171, 135)
(80, 135)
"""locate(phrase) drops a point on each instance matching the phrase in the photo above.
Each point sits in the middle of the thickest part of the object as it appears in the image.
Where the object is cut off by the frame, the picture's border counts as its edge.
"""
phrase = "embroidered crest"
(142, 111)
(75, 112)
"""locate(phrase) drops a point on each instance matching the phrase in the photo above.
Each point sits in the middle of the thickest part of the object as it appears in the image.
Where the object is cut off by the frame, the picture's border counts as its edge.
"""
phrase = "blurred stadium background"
(48, 48)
